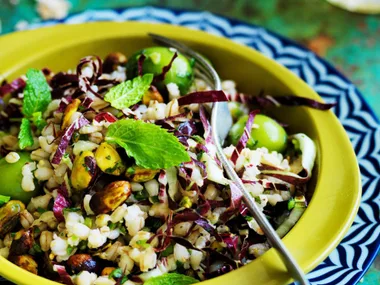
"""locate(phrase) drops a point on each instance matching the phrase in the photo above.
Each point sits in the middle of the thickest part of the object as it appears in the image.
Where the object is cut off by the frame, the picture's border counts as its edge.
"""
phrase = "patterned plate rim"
(321, 274)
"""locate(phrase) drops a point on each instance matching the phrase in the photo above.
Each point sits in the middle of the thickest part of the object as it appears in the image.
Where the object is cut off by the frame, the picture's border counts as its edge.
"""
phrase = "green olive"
(180, 73)
(11, 174)
(269, 133)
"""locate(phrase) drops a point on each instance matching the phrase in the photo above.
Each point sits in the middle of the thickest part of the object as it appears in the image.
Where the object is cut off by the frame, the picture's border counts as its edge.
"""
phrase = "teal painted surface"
(349, 41)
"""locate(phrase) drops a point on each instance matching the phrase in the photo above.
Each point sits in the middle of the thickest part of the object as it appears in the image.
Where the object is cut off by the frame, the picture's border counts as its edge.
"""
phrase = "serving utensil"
(221, 122)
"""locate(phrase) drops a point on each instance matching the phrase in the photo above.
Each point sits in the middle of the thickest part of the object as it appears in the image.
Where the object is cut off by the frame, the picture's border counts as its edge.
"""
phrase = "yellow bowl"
(337, 183)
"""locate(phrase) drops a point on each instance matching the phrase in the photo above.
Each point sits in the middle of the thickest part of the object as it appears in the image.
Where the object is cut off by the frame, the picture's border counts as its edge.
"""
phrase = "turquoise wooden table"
(349, 41)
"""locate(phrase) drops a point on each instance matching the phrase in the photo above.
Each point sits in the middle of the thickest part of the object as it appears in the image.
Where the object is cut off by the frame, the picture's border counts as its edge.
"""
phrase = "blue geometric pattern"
(349, 261)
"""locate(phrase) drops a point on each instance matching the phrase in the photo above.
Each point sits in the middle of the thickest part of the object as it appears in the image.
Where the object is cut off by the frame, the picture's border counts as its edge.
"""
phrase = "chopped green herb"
(83, 137)
(131, 170)
(76, 136)
(198, 139)
(75, 209)
(248, 218)
(36, 249)
(112, 169)
(143, 243)
(88, 222)
(41, 210)
(4, 199)
(154, 199)
(70, 249)
(82, 245)
(200, 154)
(124, 279)
(141, 195)
(168, 251)
(86, 167)
(291, 204)
(123, 230)
(36, 231)
(116, 273)
(112, 226)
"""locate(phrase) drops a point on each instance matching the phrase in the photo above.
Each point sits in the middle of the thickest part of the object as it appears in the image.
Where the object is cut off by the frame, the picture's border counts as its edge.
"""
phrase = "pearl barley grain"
(12, 157)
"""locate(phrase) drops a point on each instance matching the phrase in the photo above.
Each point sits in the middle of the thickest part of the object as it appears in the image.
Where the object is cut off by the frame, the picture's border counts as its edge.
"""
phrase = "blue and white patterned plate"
(348, 262)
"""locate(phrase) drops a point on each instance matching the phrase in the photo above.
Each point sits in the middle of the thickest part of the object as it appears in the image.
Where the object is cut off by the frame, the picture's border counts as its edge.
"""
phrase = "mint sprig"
(37, 94)
(25, 135)
(37, 97)
(171, 279)
(129, 92)
(151, 146)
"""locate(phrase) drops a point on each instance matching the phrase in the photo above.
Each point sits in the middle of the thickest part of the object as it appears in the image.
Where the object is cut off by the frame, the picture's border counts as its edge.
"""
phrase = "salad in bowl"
(110, 176)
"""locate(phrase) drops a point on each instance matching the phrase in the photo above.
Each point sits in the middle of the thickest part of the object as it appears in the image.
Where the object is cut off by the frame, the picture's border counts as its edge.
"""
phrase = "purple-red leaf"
(66, 137)
(165, 69)
(140, 64)
(105, 116)
(64, 276)
(201, 97)
(244, 137)
(289, 100)
(61, 201)
(16, 85)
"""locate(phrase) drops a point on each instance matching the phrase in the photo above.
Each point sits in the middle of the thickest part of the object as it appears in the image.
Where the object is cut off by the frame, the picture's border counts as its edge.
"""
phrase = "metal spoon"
(221, 122)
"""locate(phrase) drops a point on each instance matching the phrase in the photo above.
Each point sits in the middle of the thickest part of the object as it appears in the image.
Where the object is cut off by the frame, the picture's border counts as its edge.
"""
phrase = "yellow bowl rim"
(38, 40)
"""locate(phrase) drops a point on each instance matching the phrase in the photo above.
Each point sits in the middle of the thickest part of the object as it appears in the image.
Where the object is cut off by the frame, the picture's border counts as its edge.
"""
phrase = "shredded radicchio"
(61, 201)
(236, 197)
(289, 100)
(203, 206)
(165, 69)
(201, 97)
(64, 276)
(63, 104)
(206, 124)
(231, 241)
(90, 163)
(163, 181)
(187, 128)
(244, 137)
(201, 166)
(16, 85)
(87, 102)
(85, 83)
(168, 123)
(140, 64)
(66, 137)
(105, 116)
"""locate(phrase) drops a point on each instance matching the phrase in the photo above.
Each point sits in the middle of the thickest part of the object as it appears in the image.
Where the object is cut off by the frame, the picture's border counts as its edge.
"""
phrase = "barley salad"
(109, 172)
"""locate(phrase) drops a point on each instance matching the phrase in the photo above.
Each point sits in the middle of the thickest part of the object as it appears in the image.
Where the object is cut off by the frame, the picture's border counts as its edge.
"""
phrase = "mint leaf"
(143, 243)
(38, 121)
(37, 94)
(151, 146)
(25, 135)
(129, 92)
(171, 279)
(4, 199)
